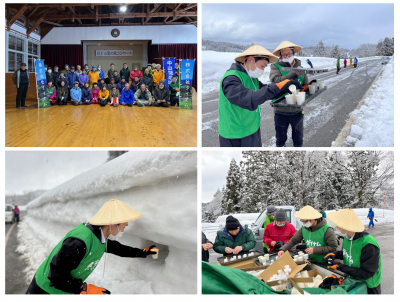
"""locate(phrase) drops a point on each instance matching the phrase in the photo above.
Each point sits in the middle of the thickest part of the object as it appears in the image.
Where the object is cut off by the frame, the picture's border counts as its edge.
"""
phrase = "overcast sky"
(347, 25)
(215, 165)
(44, 170)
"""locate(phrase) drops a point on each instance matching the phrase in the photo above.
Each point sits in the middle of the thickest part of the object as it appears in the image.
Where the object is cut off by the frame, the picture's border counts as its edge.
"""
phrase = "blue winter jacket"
(72, 78)
(355, 61)
(86, 93)
(371, 214)
(127, 97)
(101, 74)
(76, 94)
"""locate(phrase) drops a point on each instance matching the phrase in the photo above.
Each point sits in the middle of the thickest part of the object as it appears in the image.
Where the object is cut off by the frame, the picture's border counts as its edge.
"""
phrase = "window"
(15, 43)
(32, 48)
(14, 61)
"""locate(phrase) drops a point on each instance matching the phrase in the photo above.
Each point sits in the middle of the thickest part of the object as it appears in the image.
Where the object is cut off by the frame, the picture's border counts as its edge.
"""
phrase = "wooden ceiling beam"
(52, 23)
(118, 15)
(188, 7)
(18, 14)
(37, 23)
(32, 12)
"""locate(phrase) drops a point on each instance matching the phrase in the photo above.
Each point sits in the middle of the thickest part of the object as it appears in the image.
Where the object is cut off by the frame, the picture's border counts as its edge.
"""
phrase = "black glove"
(147, 251)
(284, 85)
(329, 259)
(278, 245)
(329, 281)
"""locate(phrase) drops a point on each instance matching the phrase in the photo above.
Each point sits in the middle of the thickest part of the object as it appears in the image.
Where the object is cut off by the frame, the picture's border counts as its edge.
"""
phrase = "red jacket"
(136, 73)
(274, 233)
(345, 61)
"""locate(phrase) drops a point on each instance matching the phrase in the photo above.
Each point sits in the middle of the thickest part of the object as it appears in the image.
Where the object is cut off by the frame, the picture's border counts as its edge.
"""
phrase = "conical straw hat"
(286, 44)
(256, 51)
(308, 212)
(346, 219)
(114, 212)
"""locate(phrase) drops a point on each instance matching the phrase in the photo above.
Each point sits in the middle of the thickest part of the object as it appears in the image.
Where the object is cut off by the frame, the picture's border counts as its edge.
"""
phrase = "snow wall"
(160, 185)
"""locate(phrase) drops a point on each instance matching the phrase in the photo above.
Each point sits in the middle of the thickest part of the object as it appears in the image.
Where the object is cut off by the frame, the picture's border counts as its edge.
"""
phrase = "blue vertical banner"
(169, 68)
(41, 85)
(185, 93)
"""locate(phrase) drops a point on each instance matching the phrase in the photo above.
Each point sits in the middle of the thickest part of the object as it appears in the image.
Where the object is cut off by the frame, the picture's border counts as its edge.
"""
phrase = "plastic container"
(290, 98)
(239, 257)
(225, 260)
(311, 89)
(266, 257)
(300, 97)
(244, 256)
(316, 86)
(321, 85)
(305, 257)
(156, 255)
(293, 89)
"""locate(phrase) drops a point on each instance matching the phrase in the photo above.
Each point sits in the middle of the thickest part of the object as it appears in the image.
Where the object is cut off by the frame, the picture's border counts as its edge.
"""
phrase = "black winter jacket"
(147, 80)
(126, 73)
(205, 255)
(161, 94)
(245, 98)
(62, 91)
(71, 254)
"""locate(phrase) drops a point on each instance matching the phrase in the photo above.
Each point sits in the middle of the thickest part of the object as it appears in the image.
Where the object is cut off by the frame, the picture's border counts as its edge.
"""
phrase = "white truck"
(10, 215)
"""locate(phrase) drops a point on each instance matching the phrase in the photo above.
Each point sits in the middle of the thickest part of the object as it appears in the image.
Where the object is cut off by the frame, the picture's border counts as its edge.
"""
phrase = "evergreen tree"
(231, 195)
(388, 46)
(319, 50)
(334, 52)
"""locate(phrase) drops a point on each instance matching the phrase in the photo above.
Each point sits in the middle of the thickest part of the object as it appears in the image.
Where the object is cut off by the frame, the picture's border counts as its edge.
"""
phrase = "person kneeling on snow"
(361, 253)
(234, 238)
(76, 256)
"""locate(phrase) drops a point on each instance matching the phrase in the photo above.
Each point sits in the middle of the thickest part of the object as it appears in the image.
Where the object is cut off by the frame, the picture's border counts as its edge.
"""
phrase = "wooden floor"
(95, 126)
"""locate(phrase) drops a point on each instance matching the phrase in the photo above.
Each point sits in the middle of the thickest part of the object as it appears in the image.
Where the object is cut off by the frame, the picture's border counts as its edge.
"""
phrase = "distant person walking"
(345, 63)
(371, 216)
(309, 63)
(16, 211)
(322, 212)
(351, 62)
(355, 62)
(21, 79)
(337, 66)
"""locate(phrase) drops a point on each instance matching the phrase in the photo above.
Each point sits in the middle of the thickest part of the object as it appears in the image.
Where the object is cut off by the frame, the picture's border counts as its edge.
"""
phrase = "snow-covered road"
(324, 117)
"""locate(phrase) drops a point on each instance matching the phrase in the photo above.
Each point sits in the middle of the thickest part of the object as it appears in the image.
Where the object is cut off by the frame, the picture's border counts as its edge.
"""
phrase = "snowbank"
(215, 64)
(22, 208)
(162, 186)
(363, 212)
(374, 122)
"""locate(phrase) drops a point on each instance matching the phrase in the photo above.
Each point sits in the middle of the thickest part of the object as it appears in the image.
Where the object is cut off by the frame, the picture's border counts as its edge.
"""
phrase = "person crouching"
(161, 95)
(76, 94)
(114, 96)
(95, 93)
(61, 94)
(127, 97)
(143, 96)
(103, 96)
(86, 93)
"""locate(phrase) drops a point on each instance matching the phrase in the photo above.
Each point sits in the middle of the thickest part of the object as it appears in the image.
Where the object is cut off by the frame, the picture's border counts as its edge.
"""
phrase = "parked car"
(385, 60)
(10, 215)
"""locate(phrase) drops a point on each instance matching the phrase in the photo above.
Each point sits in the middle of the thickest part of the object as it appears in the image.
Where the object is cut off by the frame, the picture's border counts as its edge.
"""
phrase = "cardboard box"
(279, 264)
(246, 263)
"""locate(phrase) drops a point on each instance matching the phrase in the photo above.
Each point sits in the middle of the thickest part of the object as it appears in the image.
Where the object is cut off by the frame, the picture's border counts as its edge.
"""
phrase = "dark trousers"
(337, 69)
(265, 250)
(34, 289)
(252, 140)
(103, 103)
(375, 290)
(282, 123)
(165, 104)
(17, 217)
(21, 94)
(174, 100)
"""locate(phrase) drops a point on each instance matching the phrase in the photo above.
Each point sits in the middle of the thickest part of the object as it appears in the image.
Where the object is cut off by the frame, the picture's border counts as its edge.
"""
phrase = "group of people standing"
(360, 251)
(85, 86)
(345, 63)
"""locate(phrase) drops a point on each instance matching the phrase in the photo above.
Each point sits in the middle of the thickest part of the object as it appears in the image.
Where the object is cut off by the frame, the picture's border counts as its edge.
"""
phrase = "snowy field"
(160, 185)
(215, 64)
(374, 122)
(211, 229)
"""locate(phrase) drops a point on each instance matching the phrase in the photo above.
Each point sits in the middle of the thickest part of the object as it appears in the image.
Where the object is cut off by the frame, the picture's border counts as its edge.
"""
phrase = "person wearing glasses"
(286, 116)
(318, 236)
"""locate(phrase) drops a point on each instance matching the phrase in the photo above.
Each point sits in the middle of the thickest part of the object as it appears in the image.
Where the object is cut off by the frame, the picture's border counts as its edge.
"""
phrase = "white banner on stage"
(114, 53)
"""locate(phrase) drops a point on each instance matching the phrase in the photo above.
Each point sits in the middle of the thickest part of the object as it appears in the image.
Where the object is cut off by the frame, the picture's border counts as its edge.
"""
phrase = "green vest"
(300, 78)
(176, 85)
(313, 239)
(49, 91)
(267, 221)
(94, 251)
(352, 253)
(236, 122)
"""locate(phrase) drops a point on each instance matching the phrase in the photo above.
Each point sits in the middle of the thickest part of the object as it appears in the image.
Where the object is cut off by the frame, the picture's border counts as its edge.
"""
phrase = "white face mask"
(279, 226)
(256, 73)
(308, 224)
(289, 60)
(115, 237)
(49, 71)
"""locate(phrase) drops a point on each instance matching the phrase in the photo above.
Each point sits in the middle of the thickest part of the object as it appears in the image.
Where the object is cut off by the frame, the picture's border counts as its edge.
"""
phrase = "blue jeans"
(371, 222)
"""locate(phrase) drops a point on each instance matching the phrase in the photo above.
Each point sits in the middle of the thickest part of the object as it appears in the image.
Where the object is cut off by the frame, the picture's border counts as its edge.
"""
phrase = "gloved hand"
(329, 281)
(305, 87)
(90, 289)
(278, 245)
(329, 258)
(147, 251)
(284, 85)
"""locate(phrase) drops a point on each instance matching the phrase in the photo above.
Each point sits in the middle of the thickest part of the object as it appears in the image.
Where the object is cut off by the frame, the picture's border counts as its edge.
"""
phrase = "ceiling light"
(123, 8)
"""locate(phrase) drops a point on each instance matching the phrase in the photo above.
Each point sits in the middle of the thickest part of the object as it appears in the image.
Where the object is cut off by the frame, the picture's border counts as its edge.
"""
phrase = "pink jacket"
(53, 95)
(136, 73)
(95, 93)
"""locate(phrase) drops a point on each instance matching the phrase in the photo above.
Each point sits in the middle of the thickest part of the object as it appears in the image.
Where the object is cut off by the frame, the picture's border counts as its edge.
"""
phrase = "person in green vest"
(337, 66)
(76, 256)
(361, 253)
(284, 117)
(318, 236)
(177, 71)
(241, 95)
(322, 212)
(234, 238)
(173, 90)
(271, 210)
